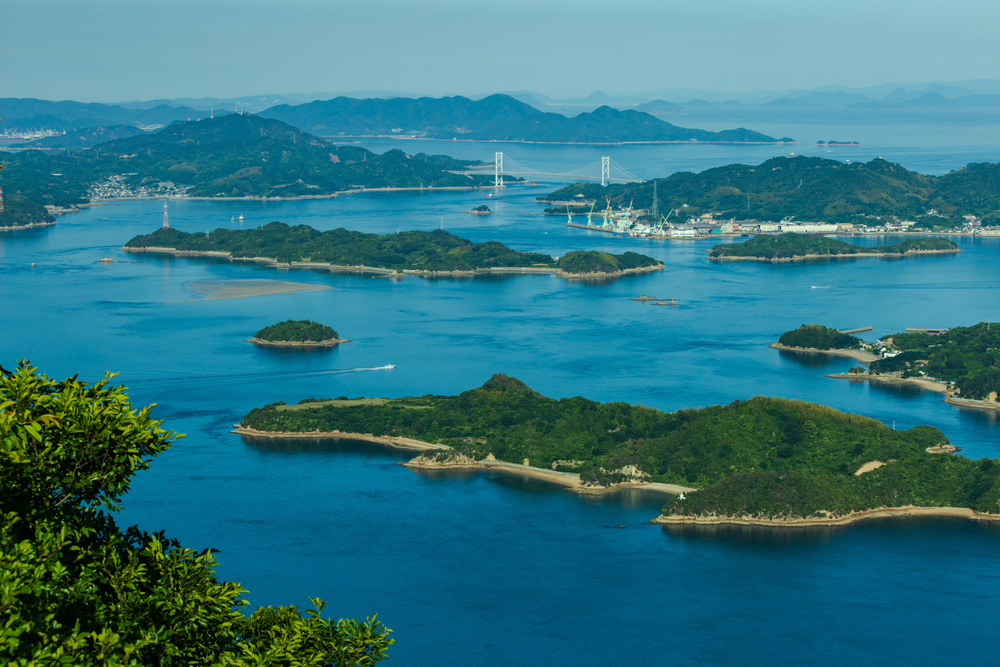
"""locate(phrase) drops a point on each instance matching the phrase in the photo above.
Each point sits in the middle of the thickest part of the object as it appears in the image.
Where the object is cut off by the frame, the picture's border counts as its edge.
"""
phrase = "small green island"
(767, 461)
(480, 210)
(791, 247)
(297, 334)
(427, 254)
(818, 338)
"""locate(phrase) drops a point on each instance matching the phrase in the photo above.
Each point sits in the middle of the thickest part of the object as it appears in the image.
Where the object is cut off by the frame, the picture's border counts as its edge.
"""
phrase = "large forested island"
(238, 155)
(815, 189)
(436, 252)
(791, 246)
(297, 333)
(761, 460)
(22, 212)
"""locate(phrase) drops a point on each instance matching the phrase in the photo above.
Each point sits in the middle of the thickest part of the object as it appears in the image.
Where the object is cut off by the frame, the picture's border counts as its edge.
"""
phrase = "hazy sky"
(107, 50)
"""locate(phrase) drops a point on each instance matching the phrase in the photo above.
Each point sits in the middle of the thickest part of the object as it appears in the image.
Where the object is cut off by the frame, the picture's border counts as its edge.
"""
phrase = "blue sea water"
(484, 569)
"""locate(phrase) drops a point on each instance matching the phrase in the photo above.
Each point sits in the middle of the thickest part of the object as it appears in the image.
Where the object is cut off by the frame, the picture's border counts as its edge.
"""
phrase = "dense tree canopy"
(298, 331)
(77, 589)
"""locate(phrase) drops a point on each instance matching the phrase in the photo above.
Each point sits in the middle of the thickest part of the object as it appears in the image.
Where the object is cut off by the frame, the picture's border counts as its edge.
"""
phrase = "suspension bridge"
(501, 165)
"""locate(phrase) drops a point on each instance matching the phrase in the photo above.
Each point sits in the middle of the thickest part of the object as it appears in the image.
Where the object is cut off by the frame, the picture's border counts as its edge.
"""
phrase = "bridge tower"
(605, 170)
(498, 171)
(656, 208)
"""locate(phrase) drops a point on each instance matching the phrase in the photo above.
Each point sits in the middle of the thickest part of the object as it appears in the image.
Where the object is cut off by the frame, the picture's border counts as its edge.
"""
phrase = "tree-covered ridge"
(814, 189)
(820, 337)
(967, 356)
(238, 155)
(297, 331)
(493, 118)
(77, 589)
(707, 448)
(595, 261)
(429, 251)
(791, 245)
(18, 211)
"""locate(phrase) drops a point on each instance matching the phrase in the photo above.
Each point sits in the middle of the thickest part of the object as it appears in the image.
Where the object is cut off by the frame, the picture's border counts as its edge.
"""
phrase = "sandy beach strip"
(860, 355)
(805, 258)
(677, 519)
(567, 479)
(332, 342)
(236, 289)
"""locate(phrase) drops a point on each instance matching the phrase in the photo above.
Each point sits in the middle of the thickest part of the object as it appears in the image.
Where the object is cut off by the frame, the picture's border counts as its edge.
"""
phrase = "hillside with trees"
(595, 261)
(78, 589)
(19, 211)
(813, 189)
(967, 356)
(764, 457)
(238, 155)
(493, 118)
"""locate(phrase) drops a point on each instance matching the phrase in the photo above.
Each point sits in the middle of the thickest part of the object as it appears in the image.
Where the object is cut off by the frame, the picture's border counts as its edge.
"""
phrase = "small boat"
(387, 367)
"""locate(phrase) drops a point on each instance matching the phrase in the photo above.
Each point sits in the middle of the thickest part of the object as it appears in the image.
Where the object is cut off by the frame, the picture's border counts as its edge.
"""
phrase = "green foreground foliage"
(75, 589)
(816, 189)
(426, 251)
(967, 356)
(768, 457)
(821, 338)
(297, 331)
(791, 245)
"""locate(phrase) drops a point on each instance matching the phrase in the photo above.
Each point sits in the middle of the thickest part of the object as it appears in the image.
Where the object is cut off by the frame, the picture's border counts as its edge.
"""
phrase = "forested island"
(422, 253)
(763, 460)
(297, 334)
(19, 212)
(814, 189)
(819, 337)
(791, 246)
(238, 155)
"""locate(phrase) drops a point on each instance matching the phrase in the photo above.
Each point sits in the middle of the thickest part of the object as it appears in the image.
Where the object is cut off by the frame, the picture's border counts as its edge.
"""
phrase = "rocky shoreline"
(830, 520)
(331, 342)
(30, 225)
(805, 258)
(267, 261)
(859, 355)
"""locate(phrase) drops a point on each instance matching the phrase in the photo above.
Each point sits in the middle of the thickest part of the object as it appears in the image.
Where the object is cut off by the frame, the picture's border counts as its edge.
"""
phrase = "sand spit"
(235, 289)
(860, 355)
(837, 520)
(462, 462)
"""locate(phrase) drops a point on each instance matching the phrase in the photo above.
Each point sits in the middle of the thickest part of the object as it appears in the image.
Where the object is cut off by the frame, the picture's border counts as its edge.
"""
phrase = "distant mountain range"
(25, 113)
(493, 118)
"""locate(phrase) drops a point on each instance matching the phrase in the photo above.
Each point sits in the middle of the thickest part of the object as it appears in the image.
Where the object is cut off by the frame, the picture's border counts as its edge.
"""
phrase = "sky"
(110, 50)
